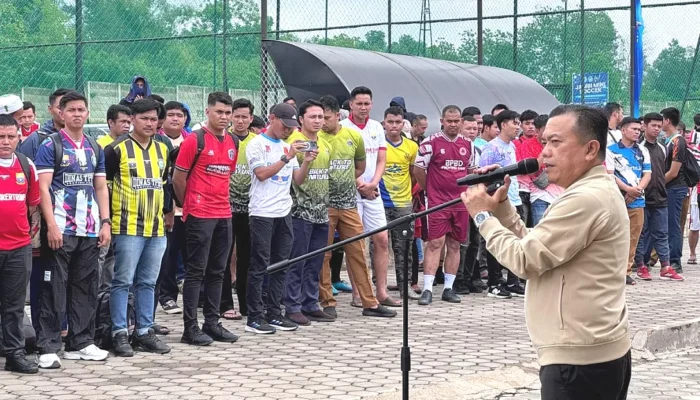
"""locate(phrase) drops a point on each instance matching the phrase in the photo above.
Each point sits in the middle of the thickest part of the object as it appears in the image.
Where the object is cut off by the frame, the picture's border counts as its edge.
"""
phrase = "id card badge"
(47, 276)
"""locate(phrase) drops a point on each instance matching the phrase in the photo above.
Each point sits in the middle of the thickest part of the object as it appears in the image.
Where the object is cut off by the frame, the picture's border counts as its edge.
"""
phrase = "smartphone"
(309, 146)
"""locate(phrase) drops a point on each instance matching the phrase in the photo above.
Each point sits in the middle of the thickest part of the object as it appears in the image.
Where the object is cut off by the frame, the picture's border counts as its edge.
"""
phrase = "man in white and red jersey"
(442, 159)
(27, 122)
(18, 193)
(528, 138)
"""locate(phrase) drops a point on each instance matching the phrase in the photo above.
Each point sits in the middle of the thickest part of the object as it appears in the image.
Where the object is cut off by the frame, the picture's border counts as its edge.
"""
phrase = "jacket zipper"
(561, 305)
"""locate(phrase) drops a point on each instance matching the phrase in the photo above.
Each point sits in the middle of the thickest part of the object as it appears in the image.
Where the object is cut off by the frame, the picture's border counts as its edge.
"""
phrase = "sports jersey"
(628, 165)
(503, 154)
(239, 184)
(445, 160)
(373, 136)
(270, 198)
(105, 141)
(310, 199)
(347, 146)
(17, 192)
(72, 189)
(137, 175)
(206, 194)
(395, 186)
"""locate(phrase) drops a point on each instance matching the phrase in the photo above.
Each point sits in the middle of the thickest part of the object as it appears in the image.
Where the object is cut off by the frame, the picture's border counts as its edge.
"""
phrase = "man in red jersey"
(201, 179)
(442, 159)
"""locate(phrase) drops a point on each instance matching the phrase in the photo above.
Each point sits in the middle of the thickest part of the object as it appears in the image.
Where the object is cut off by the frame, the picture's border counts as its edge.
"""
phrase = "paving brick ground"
(357, 357)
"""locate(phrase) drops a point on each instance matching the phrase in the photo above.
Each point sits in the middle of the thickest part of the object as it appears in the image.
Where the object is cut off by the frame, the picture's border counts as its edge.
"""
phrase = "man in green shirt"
(347, 163)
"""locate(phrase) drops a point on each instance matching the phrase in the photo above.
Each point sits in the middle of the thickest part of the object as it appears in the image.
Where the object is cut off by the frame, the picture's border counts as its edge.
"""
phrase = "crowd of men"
(119, 217)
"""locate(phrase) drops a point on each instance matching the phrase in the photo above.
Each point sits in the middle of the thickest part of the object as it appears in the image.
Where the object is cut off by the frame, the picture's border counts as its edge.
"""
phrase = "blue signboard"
(595, 88)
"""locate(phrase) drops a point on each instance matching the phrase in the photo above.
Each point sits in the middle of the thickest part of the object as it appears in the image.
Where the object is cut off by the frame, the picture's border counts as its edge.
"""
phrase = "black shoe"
(150, 343)
(281, 323)
(259, 326)
(461, 288)
(219, 333)
(196, 337)
(121, 346)
(331, 311)
(450, 296)
(479, 284)
(380, 311)
(425, 298)
(516, 290)
(678, 268)
(472, 289)
(319, 316)
(499, 292)
(17, 362)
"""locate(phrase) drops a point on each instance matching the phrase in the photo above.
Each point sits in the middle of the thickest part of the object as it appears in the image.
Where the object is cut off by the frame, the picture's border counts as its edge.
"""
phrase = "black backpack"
(172, 158)
(691, 169)
(58, 147)
(103, 320)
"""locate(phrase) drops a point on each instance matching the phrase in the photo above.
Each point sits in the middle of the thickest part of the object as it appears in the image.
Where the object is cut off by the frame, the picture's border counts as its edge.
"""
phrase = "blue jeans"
(676, 196)
(537, 210)
(301, 284)
(136, 261)
(654, 236)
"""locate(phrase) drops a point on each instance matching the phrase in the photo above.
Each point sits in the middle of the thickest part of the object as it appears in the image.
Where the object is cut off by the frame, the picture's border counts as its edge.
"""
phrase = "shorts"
(694, 218)
(448, 222)
(371, 213)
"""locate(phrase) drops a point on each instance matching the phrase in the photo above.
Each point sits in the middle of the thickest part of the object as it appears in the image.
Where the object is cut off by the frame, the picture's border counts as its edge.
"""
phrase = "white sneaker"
(90, 353)
(48, 361)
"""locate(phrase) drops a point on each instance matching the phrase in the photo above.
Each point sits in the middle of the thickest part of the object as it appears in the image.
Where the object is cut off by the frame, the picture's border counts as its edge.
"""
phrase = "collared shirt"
(629, 164)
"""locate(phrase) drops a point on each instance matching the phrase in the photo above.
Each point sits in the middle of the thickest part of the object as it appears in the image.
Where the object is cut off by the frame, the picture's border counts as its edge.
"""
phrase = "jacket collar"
(596, 172)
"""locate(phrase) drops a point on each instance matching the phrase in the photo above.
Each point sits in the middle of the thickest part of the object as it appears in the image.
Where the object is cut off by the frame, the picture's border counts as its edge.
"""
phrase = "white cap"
(10, 104)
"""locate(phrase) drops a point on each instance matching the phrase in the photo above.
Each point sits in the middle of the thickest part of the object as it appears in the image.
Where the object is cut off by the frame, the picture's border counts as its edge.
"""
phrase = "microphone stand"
(403, 226)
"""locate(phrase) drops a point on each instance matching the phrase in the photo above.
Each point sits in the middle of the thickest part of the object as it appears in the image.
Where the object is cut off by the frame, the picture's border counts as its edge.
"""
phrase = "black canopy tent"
(427, 85)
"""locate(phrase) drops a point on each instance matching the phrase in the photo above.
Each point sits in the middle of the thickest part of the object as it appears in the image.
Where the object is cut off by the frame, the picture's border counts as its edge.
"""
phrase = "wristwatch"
(284, 159)
(106, 221)
(481, 217)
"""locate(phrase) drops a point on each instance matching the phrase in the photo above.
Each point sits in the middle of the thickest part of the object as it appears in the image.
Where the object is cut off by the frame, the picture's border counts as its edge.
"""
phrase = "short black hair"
(471, 111)
(449, 108)
(308, 104)
(157, 98)
(114, 110)
(244, 103)
(175, 105)
(610, 108)
(286, 99)
(394, 110)
(8, 120)
(528, 115)
(541, 121)
(488, 119)
(468, 118)
(345, 106)
(499, 106)
(26, 105)
(145, 105)
(219, 97)
(56, 94)
(506, 115)
(257, 122)
(672, 114)
(652, 116)
(590, 124)
(629, 120)
(696, 119)
(360, 90)
(71, 96)
(419, 117)
(329, 103)
(681, 126)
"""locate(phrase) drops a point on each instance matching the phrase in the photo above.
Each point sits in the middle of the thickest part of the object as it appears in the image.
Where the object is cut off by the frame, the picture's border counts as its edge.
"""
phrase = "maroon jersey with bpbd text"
(445, 160)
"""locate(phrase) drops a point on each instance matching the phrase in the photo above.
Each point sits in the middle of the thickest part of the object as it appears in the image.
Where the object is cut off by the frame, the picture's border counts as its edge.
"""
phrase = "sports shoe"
(643, 273)
(410, 294)
(121, 346)
(281, 323)
(450, 296)
(196, 337)
(479, 284)
(150, 343)
(219, 333)
(330, 311)
(18, 362)
(678, 268)
(425, 298)
(335, 291)
(461, 288)
(630, 281)
(342, 286)
(380, 311)
(298, 318)
(499, 292)
(516, 290)
(171, 307)
(259, 326)
(473, 288)
(48, 361)
(669, 274)
(89, 353)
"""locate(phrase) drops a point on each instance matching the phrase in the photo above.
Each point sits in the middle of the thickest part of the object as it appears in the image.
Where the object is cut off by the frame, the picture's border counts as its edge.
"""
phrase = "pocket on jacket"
(561, 303)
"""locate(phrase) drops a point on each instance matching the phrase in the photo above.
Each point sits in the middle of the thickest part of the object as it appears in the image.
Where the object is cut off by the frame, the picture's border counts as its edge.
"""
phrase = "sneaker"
(298, 318)
(121, 346)
(410, 294)
(669, 274)
(150, 343)
(630, 281)
(259, 326)
(196, 337)
(318, 316)
(18, 362)
(425, 298)
(516, 290)
(461, 288)
(281, 323)
(89, 353)
(219, 333)
(479, 284)
(48, 361)
(330, 311)
(342, 286)
(643, 273)
(171, 307)
(450, 296)
(380, 311)
(499, 292)
(473, 288)
(335, 291)
(180, 285)
(678, 268)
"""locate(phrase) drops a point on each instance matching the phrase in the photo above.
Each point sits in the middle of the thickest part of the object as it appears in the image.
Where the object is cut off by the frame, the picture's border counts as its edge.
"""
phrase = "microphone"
(524, 167)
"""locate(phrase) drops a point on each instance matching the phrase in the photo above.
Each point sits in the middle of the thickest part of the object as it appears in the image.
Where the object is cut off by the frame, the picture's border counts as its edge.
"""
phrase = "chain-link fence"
(189, 48)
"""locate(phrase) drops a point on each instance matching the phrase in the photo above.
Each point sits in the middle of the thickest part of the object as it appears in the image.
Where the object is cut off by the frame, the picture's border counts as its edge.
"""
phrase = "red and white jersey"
(17, 191)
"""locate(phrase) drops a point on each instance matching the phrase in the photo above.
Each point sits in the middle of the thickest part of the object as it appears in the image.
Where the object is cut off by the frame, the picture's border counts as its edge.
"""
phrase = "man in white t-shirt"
(273, 164)
(615, 115)
(369, 202)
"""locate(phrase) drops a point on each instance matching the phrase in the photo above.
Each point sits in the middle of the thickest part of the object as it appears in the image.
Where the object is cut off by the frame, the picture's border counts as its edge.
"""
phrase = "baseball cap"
(287, 114)
(10, 104)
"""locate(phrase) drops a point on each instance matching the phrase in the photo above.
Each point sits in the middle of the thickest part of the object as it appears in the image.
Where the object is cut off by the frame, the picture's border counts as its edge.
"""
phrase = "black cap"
(287, 114)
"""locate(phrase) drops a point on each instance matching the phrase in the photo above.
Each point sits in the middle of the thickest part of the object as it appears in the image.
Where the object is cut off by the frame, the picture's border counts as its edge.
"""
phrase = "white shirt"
(373, 136)
(270, 198)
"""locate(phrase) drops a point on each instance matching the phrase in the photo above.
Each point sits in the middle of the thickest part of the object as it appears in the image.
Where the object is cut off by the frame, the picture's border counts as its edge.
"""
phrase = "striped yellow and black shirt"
(137, 176)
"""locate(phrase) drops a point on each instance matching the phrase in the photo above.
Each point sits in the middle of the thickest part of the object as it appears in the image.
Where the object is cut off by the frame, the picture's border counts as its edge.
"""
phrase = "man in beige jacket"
(574, 260)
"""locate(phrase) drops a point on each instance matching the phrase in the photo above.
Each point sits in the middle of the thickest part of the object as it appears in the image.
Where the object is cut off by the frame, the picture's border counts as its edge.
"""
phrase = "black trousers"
(166, 286)
(208, 243)
(241, 236)
(495, 268)
(605, 381)
(71, 279)
(525, 214)
(467, 271)
(15, 266)
(337, 256)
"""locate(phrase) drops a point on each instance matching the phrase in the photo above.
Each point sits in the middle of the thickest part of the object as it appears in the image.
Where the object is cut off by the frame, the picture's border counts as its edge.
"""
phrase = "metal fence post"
(224, 41)
(389, 26)
(79, 79)
(216, 30)
(515, 35)
(325, 40)
(633, 61)
(263, 57)
(277, 22)
(480, 32)
(583, 53)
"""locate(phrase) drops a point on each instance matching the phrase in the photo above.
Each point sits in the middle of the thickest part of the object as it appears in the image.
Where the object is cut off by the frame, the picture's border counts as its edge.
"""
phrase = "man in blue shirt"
(631, 165)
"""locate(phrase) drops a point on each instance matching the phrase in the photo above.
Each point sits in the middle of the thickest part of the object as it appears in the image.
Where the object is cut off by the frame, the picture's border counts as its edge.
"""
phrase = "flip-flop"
(357, 303)
(692, 261)
(232, 315)
(389, 302)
